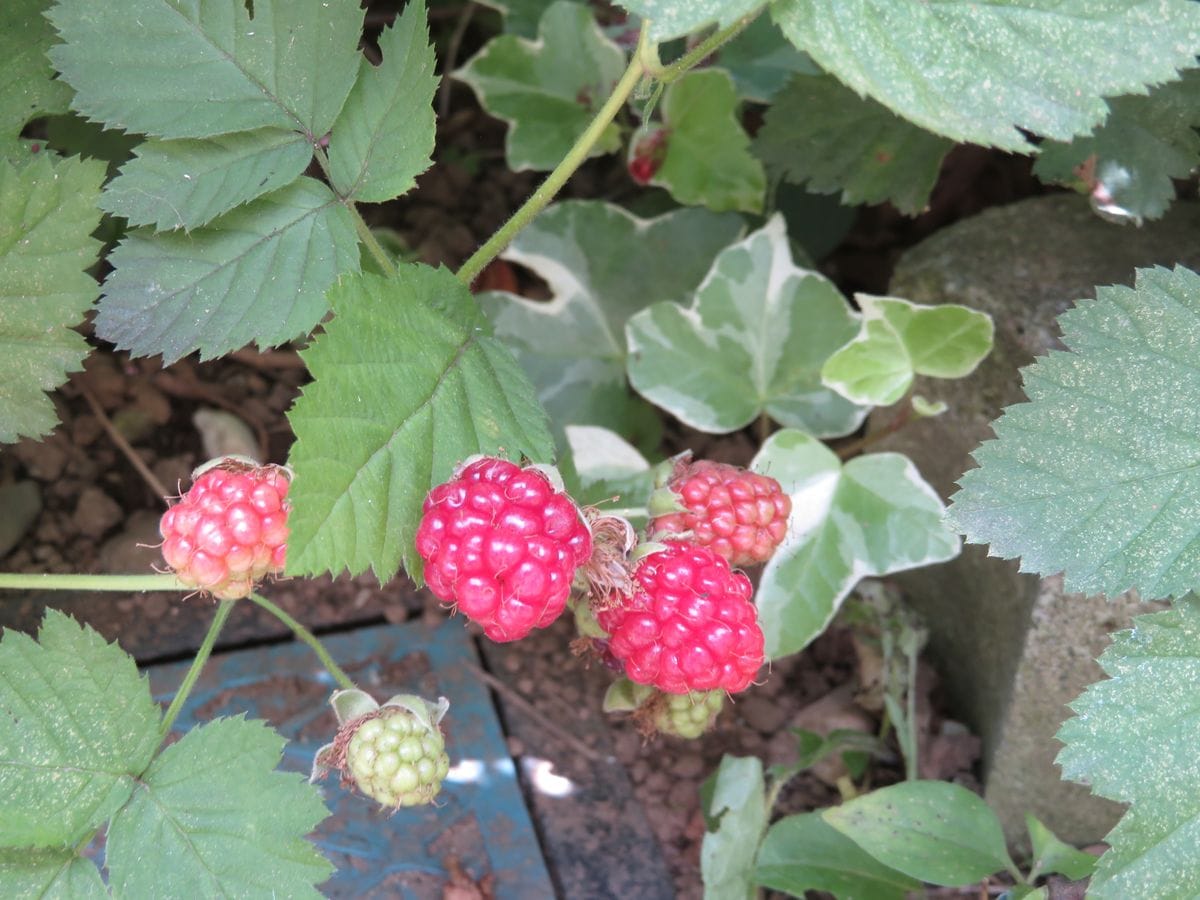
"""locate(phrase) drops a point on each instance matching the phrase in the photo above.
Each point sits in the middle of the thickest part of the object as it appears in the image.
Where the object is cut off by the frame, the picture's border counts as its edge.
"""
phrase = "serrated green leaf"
(900, 339)
(675, 18)
(212, 818)
(708, 160)
(752, 342)
(384, 137)
(198, 68)
(978, 72)
(821, 134)
(1052, 855)
(77, 727)
(548, 90)
(258, 273)
(407, 383)
(1134, 740)
(49, 875)
(1142, 145)
(873, 516)
(934, 831)
(761, 61)
(188, 183)
(804, 853)
(602, 265)
(27, 86)
(1093, 476)
(47, 214)
(737, 800)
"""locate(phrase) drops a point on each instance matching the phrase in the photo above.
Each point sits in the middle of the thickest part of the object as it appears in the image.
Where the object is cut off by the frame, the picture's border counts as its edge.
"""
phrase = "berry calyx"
(741, 515)
(502, 543)
(688, 626)
(229, 531)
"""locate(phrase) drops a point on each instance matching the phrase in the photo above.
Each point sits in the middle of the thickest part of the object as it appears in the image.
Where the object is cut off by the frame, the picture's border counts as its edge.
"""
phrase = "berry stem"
(360, 225)
(309, 638)
(47, 581)
(701, 51)
(224, 608)
(563, 171)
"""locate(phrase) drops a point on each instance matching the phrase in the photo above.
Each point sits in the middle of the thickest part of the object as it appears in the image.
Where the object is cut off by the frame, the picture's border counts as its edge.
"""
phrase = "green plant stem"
(309, 638)
(563, 171)
(697, 54)
(224, 608)
(364, 230)
(911, 763)
(53, 582)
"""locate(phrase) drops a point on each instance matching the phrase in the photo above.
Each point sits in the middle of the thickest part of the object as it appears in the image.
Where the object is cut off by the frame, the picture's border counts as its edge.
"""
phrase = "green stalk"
(309, 638)
(364, 231)
(224, 608)
(22, 581)
(697, 54)
(562, 172)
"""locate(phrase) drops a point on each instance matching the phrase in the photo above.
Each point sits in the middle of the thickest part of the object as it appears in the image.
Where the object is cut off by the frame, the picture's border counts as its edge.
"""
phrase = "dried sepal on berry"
(394, 753)
(654, 712)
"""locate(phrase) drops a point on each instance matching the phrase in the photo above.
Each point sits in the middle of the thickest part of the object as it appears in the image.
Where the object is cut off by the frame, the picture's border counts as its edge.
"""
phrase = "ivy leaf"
(47, 214)
(384, 137)
(189, 182)
(753, 342)
(189, 70)
(761, 61)
(408, 382)
(676, 18)
(804, 853)
(603, 468)
(1133, 739)
(258, 273)
(520, 16)
(737, 803)
(49, 874)
(934, 831)
(1092, 476)
(548, 90)
(602, 264)
(900, 339)
(821, 134)
(708, 160)
(978, 72)
(872, 516)
(212, 818)
(77, 728)
(27, 86)
(1144, 143)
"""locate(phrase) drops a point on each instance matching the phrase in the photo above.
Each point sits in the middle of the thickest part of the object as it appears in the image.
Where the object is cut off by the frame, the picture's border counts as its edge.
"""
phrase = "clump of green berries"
(688, 715)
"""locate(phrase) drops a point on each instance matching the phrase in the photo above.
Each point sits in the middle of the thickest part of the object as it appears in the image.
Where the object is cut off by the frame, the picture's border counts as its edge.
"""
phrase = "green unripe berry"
(689, 715)
(397, 759)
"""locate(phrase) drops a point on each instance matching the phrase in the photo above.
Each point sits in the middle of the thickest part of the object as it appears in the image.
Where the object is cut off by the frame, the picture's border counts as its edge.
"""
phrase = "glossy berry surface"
(689, 626)
(229, 531)
(689, 715)
(396, 759)
(502, 544)
(741, 515)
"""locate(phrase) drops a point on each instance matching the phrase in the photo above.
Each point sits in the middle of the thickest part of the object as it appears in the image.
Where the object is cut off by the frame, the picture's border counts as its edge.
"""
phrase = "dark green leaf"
(49, 875)
(675, 18)
(1052, 855)
(737, 804)
(761, 61)
(27, 86)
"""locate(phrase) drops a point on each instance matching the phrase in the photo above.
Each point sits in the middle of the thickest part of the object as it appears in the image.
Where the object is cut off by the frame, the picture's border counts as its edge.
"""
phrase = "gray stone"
(1012, 648)
(20, 505)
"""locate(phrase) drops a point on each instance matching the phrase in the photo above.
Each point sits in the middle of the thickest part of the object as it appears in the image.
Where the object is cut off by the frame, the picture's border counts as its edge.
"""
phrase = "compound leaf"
(258, 273)
(752, 342)
(1133, 739)
(805, 853)
(384, 137)
(1095, 476)
(27, 86)
(872, 516)
(196, 68)
(602, 265)
(708, 160)
(49, 875)
(900, 339)
(187, 183)
(675, 18)
(978, 72)
(47, 214)
(1132, 157)
(548, 90)
(212, 818)
(77, 728)
(737, 804)
(821, 134)
(408, 382)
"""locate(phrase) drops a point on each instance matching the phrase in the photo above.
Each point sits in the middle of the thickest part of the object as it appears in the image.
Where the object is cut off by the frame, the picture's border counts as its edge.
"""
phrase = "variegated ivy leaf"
(676, 18)
(548, 90)
(900, 339)
(871, 516)
(752, 343)
(985, 72)
(520, 16)
(1093, 476)
(606, 470)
